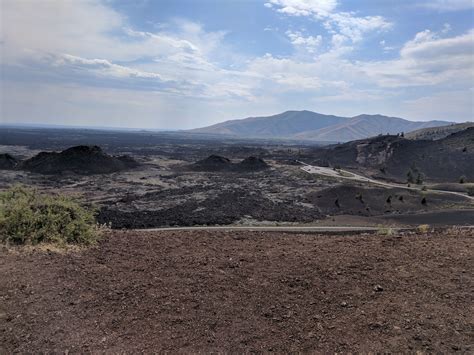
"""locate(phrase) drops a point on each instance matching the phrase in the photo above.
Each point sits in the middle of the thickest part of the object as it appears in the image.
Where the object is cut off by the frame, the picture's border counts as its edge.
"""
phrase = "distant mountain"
(307, 125)
(283, 125)
(435, 133)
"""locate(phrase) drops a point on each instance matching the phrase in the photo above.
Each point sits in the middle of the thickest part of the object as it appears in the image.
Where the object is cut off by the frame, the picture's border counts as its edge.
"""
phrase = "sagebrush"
(30, 217)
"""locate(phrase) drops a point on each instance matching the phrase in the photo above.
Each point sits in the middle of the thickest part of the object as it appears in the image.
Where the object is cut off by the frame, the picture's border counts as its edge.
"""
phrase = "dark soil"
(377, 201)
(436, 218)
(83, 160)
(241, 292)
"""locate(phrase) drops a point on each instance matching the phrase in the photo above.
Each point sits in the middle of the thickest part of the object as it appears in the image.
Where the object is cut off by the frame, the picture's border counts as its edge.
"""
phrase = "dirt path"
(240, 291)
(347, 175)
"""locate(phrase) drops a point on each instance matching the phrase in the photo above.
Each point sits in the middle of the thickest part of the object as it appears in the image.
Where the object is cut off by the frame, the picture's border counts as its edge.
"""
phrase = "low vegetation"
(470, 190)
(30, 217)
(423, 228)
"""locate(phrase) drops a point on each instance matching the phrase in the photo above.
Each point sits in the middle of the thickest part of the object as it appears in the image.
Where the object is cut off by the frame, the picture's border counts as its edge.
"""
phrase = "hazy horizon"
(137, 128)
(185, 64)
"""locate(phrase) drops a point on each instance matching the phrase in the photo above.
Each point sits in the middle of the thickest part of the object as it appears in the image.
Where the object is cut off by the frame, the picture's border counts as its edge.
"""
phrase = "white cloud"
(347, 24)
(446, 28)
(71, 45)
(181, 70)
(427, 59)
(318, 8)
(309, 43)
(386, 47)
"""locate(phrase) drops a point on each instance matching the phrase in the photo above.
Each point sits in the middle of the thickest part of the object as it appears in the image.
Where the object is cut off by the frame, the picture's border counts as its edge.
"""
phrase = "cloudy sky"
(189, 63)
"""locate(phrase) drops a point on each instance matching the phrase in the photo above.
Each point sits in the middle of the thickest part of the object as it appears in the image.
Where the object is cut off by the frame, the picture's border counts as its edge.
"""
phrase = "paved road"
(315, 229)
(273, 228)
(347, 175)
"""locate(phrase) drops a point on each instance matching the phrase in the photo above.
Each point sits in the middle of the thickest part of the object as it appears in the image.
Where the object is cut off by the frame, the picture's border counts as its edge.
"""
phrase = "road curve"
(347, 175)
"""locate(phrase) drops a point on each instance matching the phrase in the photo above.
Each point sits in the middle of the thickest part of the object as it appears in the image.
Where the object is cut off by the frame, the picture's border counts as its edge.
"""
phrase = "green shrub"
(29, 217)
(423, 228)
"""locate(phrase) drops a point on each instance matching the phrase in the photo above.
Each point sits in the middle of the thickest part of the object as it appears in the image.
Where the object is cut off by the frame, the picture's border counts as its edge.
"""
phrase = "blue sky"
(189, 63)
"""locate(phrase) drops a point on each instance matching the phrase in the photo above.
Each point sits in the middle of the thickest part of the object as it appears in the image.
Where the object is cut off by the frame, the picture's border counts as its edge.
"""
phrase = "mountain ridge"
(308, 125)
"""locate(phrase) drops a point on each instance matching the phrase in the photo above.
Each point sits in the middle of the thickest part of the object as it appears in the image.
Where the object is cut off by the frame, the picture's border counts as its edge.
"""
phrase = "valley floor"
(241, 291)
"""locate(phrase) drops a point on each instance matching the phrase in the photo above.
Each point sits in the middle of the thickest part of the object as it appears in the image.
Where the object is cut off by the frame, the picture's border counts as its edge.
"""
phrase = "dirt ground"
(242, 292)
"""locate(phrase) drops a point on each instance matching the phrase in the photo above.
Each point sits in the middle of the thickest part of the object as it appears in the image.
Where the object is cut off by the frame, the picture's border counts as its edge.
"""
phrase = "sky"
(178, 64)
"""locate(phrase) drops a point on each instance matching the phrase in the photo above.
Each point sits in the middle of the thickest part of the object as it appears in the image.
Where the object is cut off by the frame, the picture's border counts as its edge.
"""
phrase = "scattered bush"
(385, 231)
(462, 179)
(470, 190)
(423, 228)
(30, 217)
(419, 179)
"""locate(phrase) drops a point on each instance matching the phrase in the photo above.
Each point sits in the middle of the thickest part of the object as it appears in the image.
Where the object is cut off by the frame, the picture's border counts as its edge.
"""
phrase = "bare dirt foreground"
(235, 292)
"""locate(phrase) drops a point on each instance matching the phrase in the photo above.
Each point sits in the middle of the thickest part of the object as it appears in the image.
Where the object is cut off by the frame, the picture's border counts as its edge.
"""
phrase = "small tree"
(419, 179)
(462, 179)
(410, 178)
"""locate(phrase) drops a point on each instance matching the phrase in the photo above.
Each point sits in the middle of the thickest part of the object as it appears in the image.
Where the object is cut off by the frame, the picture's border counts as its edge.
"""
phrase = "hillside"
(434, 133)
(7, 162)
(82, 160)
(307, 125)
(283, 125)
(392, 156)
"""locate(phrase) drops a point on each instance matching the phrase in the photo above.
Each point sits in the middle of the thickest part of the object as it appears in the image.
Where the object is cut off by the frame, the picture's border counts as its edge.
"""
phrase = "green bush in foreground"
(29, 217)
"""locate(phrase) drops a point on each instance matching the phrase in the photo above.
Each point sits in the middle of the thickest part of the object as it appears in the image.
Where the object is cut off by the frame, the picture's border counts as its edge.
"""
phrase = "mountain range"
(308, 125)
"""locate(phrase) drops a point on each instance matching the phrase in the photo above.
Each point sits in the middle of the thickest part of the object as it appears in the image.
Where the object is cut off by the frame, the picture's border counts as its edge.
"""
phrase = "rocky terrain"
(392, 157)
(219, 291)
(84, 160)
(189, 183)
(218, 163)
(7, 162)
(245, 292)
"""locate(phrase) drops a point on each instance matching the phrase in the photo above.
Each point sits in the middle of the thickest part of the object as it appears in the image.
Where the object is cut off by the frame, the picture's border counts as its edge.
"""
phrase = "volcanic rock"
(83, 160)
(7, 162)
(213, 163)
(253, 164)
